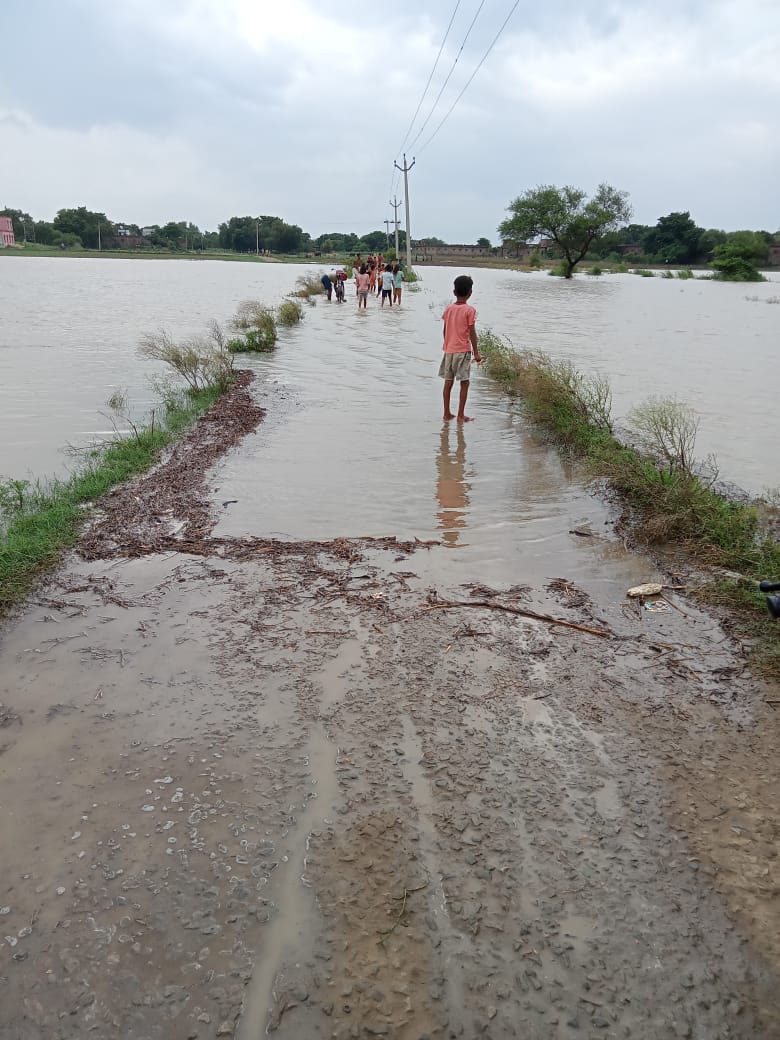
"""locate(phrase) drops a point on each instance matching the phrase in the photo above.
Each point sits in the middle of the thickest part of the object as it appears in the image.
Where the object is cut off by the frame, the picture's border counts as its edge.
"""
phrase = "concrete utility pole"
(387, 229)
(98, 236)
(405, 170)
(257, 238)
(395, 204)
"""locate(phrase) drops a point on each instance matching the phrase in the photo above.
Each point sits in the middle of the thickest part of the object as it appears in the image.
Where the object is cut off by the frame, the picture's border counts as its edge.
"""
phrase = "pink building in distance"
(7, 232)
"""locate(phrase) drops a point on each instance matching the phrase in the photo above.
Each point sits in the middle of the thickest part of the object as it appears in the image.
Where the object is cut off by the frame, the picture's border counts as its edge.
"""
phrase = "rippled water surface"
(353, 443)
(69, 330)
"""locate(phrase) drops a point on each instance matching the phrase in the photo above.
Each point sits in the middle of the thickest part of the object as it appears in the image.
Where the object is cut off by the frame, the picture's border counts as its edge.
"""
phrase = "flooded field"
(70, 330)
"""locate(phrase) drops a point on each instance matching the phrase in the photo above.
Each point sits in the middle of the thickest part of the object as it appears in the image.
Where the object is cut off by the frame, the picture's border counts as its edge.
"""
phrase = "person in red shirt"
(460, 341)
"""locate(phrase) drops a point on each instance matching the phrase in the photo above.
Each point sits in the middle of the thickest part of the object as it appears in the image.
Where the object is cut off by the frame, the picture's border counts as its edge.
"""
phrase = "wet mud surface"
(254, 787)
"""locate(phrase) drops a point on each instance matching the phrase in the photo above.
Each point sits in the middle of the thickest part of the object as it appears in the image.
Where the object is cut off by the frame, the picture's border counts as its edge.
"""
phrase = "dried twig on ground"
(450, 604)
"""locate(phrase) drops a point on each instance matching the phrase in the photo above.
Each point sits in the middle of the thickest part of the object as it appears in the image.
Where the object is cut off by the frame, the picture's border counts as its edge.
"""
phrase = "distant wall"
(7, 232)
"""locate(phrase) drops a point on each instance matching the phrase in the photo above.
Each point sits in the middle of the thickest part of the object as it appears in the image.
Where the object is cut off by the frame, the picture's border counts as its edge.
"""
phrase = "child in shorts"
(387, 285)
(460, 341)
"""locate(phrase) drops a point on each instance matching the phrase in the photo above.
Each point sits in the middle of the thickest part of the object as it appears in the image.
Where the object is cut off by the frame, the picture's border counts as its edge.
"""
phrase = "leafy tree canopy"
(483, 243)
(245, 234)
(675, 239)
(736, 259)
(84, 223)
(566, 216)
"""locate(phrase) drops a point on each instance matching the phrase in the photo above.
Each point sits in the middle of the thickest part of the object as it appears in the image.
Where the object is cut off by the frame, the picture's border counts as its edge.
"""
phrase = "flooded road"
(376, 746)
(70, 330)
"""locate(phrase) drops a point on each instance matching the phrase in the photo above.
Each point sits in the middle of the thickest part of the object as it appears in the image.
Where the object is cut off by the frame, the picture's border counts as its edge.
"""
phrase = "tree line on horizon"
(82, 228)
(674, 239)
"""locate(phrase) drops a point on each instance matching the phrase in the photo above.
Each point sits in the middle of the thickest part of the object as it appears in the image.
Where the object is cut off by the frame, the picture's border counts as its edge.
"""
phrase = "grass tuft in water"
(289, 313)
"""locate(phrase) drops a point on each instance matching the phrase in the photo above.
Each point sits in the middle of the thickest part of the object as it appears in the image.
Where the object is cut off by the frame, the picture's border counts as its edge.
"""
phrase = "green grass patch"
(39, 521)
(746, 616)
(672, 499)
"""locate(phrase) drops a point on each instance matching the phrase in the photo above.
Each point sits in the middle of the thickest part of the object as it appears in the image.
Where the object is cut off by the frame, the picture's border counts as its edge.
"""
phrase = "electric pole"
(405, 170)
(257, 238)
(395, 204)
(98, 236)
(387, 229)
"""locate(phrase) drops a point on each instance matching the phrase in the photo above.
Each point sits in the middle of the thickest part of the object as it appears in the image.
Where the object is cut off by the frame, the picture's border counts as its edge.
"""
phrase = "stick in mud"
(450, 604)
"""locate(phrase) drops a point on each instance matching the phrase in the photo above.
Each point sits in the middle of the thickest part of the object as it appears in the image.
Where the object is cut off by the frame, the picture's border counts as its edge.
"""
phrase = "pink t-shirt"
(458, 318)
(362, 282)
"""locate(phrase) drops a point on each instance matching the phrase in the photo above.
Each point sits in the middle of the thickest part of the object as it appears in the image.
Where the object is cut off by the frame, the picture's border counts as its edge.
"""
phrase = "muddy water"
(69, 333)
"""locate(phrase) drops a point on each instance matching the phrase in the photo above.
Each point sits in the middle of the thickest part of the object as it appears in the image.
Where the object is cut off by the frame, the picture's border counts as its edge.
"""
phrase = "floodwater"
(69, 331)
(367, 444)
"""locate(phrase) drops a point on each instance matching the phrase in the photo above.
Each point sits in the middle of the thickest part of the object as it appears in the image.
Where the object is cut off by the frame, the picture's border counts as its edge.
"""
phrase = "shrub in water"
(309, 285)
(290, 313)
(255, 341)
(202, 361)
(668, 429)
(258, 325)
(595, 270)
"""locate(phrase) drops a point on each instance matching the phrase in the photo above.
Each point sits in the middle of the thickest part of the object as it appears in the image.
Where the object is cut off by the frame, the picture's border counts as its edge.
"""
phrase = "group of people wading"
(372, 276)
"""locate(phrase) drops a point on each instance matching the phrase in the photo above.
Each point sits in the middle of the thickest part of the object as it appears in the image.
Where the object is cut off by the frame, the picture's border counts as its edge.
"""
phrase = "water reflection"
(452, 489)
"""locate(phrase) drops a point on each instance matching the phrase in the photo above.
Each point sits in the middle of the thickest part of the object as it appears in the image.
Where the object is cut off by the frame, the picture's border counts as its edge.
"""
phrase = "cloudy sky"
(156, 110)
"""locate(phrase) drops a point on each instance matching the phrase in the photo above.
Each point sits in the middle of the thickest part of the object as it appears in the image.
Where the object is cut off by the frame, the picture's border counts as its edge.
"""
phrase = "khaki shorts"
(456, 366)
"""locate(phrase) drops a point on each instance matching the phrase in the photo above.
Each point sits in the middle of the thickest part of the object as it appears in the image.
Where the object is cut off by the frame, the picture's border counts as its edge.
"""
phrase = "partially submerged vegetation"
(201, 361)
(673, 497)
(39, 521)
(289, 313)
(309, 285)
(255, 326)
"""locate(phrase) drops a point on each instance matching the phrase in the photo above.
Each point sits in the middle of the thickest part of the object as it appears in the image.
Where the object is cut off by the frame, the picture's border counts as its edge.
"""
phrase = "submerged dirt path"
(248, 786)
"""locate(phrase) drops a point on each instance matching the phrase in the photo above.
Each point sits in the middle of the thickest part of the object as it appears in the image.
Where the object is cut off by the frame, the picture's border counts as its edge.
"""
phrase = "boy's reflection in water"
(451, 487)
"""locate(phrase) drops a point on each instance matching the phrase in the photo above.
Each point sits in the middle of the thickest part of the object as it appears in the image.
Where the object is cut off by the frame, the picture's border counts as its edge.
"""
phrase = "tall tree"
(676, 239)
(567, 217)
(91, 227)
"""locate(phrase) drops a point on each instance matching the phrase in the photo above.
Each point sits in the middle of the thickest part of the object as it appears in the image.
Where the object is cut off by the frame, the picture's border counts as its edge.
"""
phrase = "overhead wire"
(469, 80)
(394, 177)
(430, 78)
(449, 74)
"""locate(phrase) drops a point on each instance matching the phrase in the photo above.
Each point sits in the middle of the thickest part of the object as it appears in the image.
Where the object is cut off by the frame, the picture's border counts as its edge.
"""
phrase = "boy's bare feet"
(449, 415)
(465, 418)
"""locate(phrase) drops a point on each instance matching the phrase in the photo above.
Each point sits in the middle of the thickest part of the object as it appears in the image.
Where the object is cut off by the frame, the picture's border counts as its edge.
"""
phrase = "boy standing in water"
(460, 340)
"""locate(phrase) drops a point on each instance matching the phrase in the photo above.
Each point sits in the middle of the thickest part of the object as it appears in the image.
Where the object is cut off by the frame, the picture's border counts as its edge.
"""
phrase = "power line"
(394, 175)
(471, 77)
(427, 85)
(449, 74)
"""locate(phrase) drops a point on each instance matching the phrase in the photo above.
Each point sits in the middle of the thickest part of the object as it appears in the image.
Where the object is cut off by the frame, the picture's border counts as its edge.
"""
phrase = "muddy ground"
(249, 786)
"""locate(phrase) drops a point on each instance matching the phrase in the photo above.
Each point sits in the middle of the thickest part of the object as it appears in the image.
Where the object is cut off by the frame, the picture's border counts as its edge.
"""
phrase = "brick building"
(7, 232)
